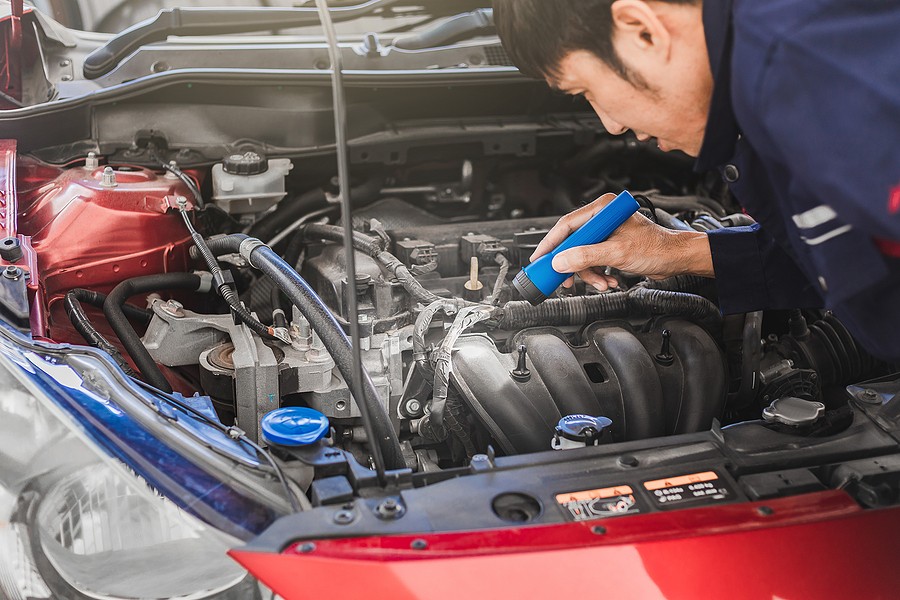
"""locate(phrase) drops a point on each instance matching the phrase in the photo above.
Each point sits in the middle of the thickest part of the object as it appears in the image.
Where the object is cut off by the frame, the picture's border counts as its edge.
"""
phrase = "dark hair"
(538, 34)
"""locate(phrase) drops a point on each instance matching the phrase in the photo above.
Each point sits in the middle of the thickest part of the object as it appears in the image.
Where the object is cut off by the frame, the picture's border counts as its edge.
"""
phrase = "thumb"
(570, 261)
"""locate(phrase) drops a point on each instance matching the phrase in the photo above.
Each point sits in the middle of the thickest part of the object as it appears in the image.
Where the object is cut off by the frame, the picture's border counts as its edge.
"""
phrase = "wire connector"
(223, 279)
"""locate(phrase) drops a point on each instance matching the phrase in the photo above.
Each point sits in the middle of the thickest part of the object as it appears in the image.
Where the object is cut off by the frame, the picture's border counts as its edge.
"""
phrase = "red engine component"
(92, 233)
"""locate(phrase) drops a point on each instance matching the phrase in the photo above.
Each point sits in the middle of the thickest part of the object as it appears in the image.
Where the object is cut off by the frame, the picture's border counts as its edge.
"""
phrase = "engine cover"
(613, 371)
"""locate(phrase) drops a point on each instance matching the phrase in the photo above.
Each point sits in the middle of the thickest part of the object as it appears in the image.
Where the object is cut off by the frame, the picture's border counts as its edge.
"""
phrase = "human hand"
(639, 246)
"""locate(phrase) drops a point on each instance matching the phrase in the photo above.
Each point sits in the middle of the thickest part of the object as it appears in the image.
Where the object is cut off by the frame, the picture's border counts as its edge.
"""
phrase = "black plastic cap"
(248, 163)
(527, 289)
(10, 249)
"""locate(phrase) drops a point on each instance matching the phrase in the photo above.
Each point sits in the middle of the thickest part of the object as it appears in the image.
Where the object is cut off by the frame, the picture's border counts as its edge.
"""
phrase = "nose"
(610, 125)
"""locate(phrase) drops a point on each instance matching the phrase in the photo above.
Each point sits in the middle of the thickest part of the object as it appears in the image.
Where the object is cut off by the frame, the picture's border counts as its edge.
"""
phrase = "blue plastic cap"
(294, 426)
(581, 427)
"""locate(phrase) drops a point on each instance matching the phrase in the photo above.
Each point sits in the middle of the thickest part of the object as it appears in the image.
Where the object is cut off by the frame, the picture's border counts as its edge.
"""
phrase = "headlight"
(76, 523)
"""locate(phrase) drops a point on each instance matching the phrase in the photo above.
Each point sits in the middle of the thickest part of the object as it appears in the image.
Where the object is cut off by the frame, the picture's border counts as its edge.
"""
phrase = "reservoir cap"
(294, 426)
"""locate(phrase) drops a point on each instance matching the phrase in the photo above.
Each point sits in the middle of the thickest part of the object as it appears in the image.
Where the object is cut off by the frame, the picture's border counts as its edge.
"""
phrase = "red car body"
(820, 545)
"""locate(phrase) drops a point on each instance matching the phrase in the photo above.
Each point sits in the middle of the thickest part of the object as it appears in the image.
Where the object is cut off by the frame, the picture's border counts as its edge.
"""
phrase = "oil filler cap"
(248, 163)
(574, 431)
(294, 426)
(795, 412)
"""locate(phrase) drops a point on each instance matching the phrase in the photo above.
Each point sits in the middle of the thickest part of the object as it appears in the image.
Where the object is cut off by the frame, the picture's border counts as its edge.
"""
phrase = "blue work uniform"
(805, 128)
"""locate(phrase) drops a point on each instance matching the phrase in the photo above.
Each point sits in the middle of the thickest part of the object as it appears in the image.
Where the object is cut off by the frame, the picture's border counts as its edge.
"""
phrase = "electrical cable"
(186, 179)
(647, 204)
(340, 130)
(83, 326)
(223, 283)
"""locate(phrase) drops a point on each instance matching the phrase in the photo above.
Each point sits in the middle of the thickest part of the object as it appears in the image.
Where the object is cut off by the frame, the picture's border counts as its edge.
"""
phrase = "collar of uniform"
(721, 127)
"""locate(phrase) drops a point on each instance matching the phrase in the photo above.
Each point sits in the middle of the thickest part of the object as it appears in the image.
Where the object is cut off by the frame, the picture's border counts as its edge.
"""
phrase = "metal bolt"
(91, 162)
(66, 78)
(869, 396)
(170, 174)
(389, 509)
(307, 547)
(65, 62)
(419, 544)
(343, 517)
(173, 308)
(12, 272)
(598, 530)
(108, 180)
(765, 511)
(413, 406)
(340, 405)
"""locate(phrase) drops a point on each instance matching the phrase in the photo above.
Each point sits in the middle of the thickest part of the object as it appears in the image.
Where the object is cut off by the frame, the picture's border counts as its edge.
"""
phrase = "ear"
(638, 28)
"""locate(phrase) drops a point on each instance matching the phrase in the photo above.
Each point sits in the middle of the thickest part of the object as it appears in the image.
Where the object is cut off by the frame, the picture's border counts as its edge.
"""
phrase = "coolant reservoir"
(249, 184)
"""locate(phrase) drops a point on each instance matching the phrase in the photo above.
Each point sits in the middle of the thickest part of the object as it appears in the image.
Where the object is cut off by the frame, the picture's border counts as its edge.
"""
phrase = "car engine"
(461, 365)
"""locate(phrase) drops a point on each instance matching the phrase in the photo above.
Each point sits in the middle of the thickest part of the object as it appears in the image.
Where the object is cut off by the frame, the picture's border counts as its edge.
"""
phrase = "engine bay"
(461, 365)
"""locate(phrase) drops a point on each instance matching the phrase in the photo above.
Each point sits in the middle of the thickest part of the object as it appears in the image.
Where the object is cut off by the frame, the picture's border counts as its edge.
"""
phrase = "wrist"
(697, 254)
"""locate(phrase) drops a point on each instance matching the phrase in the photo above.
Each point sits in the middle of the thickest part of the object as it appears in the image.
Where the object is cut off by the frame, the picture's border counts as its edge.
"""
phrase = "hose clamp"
(247, 247)
(206, 281)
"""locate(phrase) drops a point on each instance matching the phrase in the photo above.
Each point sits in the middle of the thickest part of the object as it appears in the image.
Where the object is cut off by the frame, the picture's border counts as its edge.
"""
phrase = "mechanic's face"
(668, 95)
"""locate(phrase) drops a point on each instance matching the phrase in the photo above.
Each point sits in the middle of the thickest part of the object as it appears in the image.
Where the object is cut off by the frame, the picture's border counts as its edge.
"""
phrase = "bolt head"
(343, 517)
(413, 406)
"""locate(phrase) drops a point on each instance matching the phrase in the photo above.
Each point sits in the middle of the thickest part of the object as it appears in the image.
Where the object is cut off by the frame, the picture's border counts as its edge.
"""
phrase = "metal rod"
(340, 130)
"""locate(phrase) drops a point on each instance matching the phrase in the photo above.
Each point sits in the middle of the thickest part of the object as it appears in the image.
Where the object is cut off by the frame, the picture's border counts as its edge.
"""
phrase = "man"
(796, 102)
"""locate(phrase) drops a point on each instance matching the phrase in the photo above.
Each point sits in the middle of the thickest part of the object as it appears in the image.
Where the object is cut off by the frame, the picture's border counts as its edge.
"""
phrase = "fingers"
(569, 223)
(583, 258)
(600, 281)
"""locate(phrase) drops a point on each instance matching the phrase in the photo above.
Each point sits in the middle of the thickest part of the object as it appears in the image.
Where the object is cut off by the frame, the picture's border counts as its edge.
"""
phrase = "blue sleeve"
(754, 273)
(829, 102)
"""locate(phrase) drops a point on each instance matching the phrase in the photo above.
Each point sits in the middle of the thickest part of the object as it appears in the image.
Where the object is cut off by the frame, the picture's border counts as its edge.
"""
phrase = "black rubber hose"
(301, 295)
(291, 209)
(83, 325)
(115, 314)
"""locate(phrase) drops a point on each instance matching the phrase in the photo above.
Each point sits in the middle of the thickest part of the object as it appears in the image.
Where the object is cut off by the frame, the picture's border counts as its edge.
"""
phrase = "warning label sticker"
(600, 503)
(701, 488)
